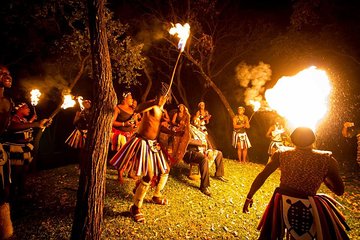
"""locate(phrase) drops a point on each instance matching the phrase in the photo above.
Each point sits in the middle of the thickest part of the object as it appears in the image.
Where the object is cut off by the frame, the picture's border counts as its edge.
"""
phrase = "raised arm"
(272, 165)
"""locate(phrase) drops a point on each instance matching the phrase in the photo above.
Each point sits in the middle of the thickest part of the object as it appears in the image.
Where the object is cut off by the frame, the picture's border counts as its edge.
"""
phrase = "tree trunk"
(91, 192)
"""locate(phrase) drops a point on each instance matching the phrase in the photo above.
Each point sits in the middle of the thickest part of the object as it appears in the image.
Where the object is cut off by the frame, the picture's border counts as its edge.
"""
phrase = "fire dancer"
(81, 121)
(349, 130)
(240, 140)
(18, 143)
(123, 122)
(143, 155)
(295, 206)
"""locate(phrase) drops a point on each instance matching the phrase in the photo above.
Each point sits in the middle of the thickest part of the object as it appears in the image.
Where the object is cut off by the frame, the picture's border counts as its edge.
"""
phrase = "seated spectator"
(197, 152)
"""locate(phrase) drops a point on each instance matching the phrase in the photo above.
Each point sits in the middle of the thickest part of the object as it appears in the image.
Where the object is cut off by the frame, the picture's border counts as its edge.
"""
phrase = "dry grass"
(46, 211)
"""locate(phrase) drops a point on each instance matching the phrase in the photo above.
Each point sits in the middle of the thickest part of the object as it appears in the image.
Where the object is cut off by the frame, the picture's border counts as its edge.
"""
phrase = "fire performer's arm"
(272, 165)
(333, 180)
(146, 106)
(16, 126)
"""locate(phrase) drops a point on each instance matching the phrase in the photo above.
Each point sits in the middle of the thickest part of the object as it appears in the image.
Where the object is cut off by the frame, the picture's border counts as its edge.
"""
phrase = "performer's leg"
(141, 192)
(139, 199)
(157, 198)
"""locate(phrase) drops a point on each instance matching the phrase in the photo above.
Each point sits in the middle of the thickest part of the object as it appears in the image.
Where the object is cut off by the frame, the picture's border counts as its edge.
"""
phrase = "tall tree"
(216, 44)
(91, 193)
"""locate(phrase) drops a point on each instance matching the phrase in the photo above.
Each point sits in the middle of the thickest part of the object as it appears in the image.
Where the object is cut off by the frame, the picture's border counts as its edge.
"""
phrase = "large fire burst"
(301, 99)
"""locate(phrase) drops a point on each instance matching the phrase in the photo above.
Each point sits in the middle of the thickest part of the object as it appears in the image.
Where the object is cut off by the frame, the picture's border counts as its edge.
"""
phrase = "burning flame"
(256, 105)
(80, 101)
(68, 101)
(302, 99)
(35, 95)
(183, 33)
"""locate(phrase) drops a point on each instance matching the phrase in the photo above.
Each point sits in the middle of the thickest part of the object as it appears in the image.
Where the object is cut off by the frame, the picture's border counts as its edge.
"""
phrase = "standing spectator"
(202, 117)
(240, 140)
(143, 155)
(18, 143)
(179, 122)
(81, 121)
(123, 122)
(295, 205)
(6, 228)
(276, 134)
(349, 130)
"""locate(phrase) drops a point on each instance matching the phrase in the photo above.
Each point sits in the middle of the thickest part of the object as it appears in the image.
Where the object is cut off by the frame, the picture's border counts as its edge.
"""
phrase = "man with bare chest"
(142, 154)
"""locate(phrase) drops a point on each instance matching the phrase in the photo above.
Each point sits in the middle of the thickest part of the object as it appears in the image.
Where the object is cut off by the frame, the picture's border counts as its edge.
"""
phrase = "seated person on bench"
(197, 152)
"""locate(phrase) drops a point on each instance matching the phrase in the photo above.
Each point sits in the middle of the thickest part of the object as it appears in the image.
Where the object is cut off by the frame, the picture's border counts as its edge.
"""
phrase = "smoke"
(253, 78)
(51, 87)
(151, 31)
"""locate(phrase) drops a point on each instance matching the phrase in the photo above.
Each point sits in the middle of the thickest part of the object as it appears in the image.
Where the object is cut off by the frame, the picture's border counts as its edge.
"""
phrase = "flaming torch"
(34, 97)
(68, 102)
(183, 33)
(302, 99)
(256, 106)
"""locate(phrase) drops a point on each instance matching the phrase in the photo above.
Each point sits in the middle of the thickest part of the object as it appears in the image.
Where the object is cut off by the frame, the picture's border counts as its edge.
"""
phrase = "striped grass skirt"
(141, 156)
(77, 138)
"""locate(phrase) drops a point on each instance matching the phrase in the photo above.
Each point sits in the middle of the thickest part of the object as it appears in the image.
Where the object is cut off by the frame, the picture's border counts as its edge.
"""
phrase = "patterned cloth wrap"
(119, 138)
(144, 157)
(304, 217)
(19, 147)
(77, 138)
(242, 138)
(19, 153)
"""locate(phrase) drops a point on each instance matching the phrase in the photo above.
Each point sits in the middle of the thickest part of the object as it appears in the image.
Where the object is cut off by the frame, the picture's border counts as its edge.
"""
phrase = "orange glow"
(182, 32)
(301, 99)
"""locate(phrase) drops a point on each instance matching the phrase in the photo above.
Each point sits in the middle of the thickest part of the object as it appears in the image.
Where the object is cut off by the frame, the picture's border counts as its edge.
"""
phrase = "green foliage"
(74, 43)
(46, 211)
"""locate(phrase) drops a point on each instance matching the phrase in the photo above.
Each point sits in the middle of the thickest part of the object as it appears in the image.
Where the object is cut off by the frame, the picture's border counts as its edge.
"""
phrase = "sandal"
(136, 214)
(160, 201)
